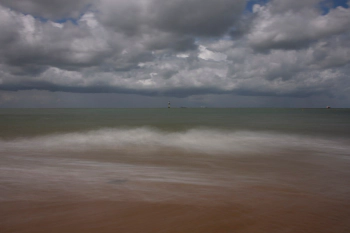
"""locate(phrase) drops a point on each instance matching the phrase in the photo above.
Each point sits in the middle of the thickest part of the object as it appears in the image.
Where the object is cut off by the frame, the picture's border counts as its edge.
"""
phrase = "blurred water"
(286, 160)
(33, 122)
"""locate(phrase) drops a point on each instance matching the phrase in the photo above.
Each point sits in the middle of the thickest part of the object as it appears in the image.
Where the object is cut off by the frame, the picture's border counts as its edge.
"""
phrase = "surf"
(202, 140)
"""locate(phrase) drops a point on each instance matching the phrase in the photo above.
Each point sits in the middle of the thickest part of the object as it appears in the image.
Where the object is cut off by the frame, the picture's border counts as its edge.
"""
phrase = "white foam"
(194, 140)
(118, 179)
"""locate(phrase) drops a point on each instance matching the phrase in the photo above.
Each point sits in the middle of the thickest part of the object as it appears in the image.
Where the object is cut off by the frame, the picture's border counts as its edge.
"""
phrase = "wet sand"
(286, 192)
(286, 214)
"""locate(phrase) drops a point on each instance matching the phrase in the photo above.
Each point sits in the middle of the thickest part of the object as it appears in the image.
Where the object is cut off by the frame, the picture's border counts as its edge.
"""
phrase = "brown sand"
(286, 214)
(314, 200)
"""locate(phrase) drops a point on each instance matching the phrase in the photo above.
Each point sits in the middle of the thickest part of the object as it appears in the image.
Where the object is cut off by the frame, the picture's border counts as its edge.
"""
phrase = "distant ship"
(328, 107)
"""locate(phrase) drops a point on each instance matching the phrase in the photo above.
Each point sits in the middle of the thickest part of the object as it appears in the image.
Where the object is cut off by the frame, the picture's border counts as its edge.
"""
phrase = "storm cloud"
(176, 48)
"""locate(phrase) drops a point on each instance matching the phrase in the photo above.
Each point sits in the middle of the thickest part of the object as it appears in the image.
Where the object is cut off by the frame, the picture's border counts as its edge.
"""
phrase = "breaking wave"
(193, 140)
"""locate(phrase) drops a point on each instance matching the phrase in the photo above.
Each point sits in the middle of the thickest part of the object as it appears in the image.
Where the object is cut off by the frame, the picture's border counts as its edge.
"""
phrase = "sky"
(193, 53)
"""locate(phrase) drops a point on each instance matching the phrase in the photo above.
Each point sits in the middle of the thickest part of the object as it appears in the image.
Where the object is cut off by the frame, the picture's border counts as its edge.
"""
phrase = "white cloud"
(58, 25)
(182, 55)
(90, 20)
(206, 54)
(292, 30)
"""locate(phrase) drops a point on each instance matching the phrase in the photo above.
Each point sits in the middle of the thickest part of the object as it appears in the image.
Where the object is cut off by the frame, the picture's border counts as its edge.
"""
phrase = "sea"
(175, 170)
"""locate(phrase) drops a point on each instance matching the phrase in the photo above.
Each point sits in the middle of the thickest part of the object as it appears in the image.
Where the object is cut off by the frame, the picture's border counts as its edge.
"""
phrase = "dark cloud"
(190, 17)
(53, 9)
(32, 45)
(175, 48)
(171, 41)
(295, 30)
(332, 53)
(197, 17)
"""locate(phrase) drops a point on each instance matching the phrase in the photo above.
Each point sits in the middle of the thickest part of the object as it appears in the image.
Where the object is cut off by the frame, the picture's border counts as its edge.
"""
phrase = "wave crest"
(196, 140)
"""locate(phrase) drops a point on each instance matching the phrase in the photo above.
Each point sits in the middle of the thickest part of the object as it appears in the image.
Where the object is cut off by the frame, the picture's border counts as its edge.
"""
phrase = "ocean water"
(203, 170)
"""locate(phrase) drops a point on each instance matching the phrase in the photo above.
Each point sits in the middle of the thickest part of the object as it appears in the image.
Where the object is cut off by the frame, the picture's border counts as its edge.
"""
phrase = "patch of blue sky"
(72, 20)
(41, 19)
(75, 20)
(343, 3)
(61, 21)
(327, 5)
(251, 3)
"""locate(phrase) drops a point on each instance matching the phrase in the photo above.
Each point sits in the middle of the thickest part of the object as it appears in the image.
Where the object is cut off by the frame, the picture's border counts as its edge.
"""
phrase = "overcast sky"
(144, 53)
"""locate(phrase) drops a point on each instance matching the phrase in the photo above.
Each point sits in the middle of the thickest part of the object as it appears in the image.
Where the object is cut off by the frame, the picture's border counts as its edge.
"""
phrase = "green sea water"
(34, 122)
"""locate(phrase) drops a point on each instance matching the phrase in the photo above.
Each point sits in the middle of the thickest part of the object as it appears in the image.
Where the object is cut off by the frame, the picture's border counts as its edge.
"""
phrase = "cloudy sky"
(144, 53)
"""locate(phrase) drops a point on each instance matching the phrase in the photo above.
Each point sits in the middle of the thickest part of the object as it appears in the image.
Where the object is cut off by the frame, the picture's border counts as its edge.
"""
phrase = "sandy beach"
(294, 204)
(287, 213)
